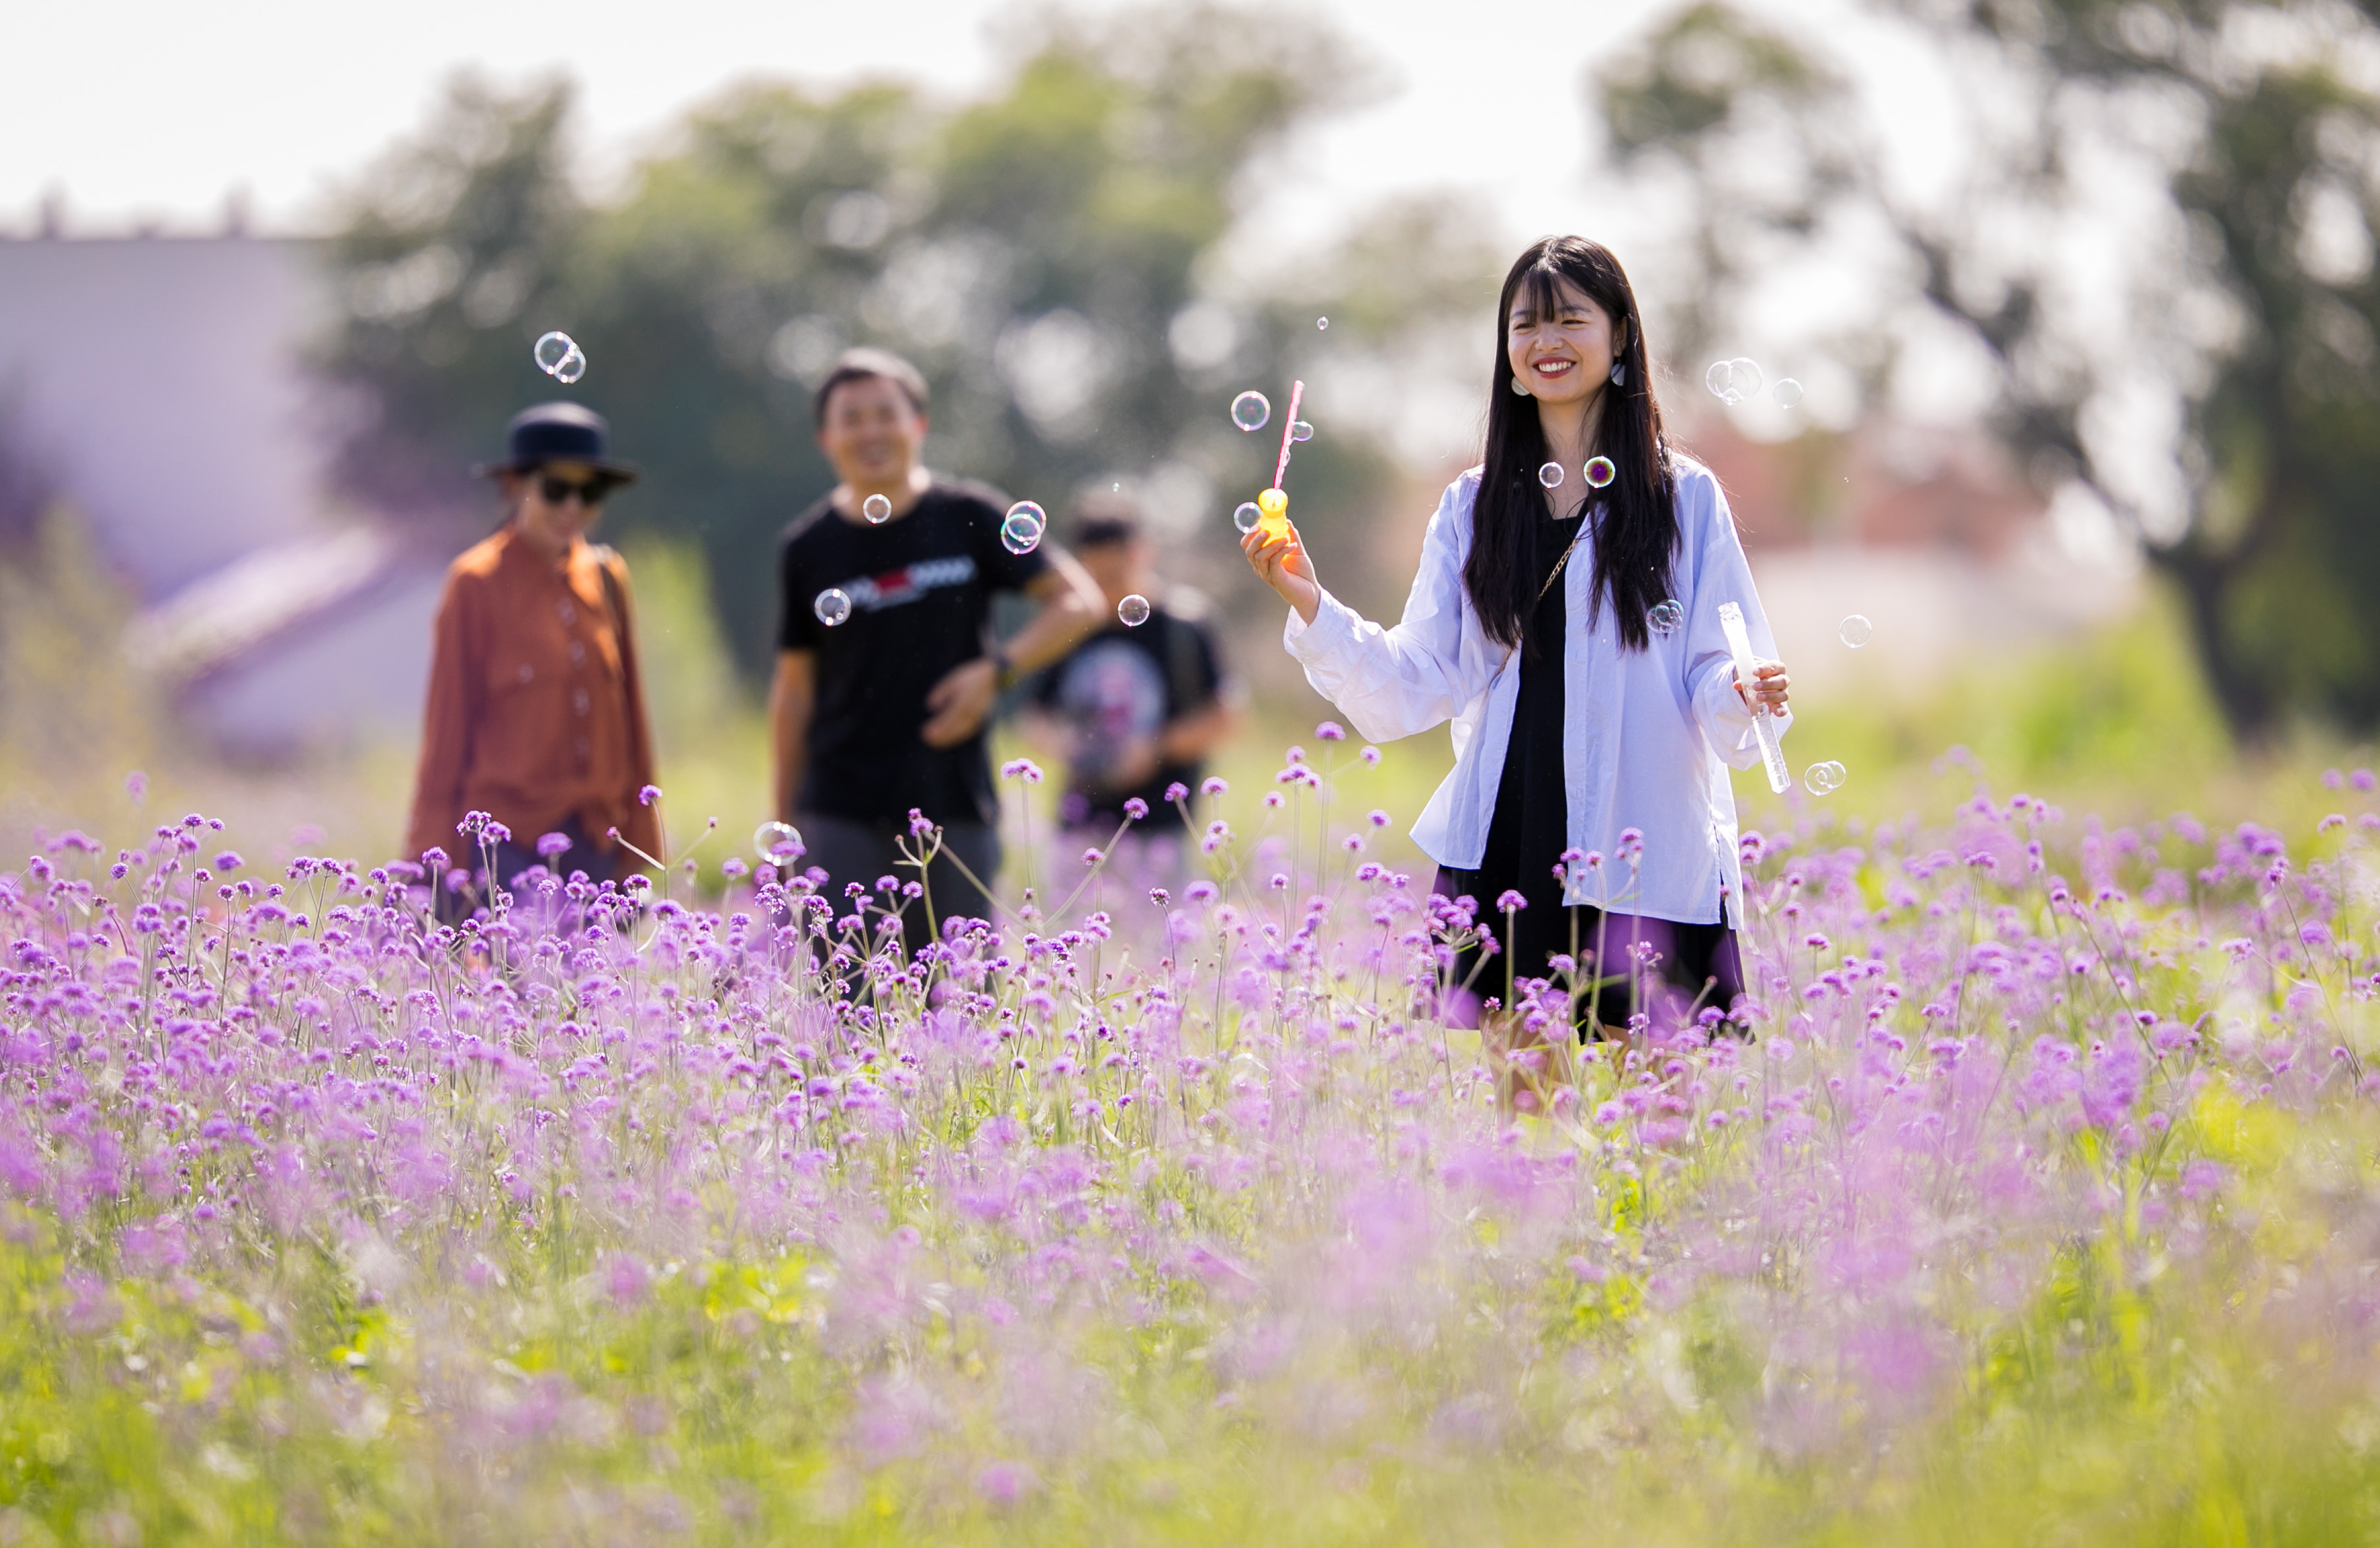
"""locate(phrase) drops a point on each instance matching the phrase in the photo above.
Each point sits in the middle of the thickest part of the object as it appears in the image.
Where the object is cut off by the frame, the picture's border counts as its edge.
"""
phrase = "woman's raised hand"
(1280, 559)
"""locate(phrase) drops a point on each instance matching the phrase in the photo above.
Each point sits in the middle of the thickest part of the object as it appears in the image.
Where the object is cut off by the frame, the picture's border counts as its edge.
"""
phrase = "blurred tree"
(2158, 232)
(1040, 254)
(449, 245)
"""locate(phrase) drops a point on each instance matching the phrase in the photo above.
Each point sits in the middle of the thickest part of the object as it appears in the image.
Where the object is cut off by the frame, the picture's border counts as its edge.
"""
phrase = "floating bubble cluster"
(1856, 631)
(1789, 392)
(832, 605)
(1732, 382)
(1666, 616)
(877, 509)
(1248, 516)
(1600, 472)
(1021, 530)
(1132, 610)
(1550, 475)
(779, 843)
(1250, 410)
(559, 357)
(1823, 779)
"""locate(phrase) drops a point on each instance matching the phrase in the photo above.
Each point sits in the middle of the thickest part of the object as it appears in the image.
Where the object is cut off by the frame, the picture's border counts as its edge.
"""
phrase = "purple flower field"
(2038, 1205)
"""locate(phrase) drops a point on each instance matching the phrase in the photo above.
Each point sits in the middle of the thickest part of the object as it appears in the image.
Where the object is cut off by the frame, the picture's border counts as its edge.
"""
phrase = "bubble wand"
(1747, 672)
(1274, 502)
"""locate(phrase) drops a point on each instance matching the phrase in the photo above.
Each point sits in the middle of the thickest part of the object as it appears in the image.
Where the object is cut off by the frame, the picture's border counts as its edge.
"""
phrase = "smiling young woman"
(1570, 631)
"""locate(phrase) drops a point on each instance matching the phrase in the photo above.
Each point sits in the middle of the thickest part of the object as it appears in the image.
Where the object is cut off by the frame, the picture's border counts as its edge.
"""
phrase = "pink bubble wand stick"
(1274, 502)
(1288, 431)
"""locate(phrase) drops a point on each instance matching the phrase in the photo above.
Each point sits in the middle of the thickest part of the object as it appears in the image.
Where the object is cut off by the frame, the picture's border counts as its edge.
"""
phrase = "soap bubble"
(1666, 616)
(1321, 324)
(779, 843)
(1732, 382)
(1021, 531)
(1857, 631)
(1599, 472)
(833, 605)
(1550, 475)
(877, 509)
(1250, 410)
(1134, 610)
(1789, 392)
(559, 353)
(1823, 779)
(1248, 516)
(1301, 431)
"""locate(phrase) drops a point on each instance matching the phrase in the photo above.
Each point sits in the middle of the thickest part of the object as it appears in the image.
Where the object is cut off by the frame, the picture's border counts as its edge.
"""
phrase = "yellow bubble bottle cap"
(1274, 503)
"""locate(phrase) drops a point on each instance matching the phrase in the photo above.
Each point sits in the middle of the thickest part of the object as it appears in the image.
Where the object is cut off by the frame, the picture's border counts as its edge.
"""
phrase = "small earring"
(1520, 389)
(1619, 374)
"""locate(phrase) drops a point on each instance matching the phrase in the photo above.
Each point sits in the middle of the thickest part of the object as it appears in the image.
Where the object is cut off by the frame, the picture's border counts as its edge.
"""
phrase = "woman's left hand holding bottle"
(1280, 559)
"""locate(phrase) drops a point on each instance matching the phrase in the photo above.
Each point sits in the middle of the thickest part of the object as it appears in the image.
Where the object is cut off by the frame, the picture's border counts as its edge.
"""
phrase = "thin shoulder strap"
(1182, 662)
(604, 555)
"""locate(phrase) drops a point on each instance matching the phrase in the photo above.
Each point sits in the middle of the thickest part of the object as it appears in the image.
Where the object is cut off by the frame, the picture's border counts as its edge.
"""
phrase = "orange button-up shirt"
(536, 710)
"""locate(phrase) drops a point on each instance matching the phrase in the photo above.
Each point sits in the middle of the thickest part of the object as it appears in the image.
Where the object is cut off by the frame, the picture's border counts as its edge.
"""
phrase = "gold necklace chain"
(1555, 573)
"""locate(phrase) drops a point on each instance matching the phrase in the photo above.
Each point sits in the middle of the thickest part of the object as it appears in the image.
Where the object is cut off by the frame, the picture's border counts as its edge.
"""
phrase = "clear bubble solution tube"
(1747, 672)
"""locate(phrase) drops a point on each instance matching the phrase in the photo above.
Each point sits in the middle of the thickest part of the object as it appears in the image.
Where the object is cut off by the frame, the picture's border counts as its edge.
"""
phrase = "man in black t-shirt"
(1135, 709)
(887, 669)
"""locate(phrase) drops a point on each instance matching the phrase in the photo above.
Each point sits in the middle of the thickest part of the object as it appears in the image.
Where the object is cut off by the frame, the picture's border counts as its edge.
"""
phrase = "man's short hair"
(1105, 517)
(867, 363)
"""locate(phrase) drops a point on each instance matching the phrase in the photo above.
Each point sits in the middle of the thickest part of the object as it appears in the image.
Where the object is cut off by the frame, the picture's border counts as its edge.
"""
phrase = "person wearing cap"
(884, 690)
(1134, 710)
(536, 712)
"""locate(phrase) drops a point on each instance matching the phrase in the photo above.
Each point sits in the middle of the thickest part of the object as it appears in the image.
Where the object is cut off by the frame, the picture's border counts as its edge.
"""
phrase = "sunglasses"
(589, 494)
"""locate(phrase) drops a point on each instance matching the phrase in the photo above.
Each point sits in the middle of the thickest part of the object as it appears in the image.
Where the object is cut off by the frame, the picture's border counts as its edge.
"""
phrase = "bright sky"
(148, 111)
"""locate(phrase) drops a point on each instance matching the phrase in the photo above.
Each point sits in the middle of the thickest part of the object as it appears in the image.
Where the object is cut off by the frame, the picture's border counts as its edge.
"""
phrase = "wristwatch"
(1003, 670)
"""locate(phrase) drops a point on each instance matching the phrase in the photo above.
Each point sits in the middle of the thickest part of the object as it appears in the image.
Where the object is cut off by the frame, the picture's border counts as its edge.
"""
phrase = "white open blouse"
(1648, 735)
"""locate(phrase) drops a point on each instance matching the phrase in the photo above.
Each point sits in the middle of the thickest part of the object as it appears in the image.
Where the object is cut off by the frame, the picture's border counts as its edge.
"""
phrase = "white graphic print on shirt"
(910, 582)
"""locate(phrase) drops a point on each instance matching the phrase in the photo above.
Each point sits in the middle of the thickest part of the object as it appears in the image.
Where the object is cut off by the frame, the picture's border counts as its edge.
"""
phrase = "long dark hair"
(1635, 517)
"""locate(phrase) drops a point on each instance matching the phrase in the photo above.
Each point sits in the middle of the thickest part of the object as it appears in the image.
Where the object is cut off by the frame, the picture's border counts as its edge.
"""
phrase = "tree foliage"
(2224, 154)
(1043, 254)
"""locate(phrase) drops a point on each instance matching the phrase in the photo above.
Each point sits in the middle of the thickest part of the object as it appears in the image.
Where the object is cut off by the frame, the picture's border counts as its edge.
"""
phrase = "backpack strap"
(1182, 665)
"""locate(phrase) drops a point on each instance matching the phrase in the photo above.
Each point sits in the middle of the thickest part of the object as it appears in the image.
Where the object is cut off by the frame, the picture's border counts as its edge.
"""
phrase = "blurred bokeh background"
(2078, 296)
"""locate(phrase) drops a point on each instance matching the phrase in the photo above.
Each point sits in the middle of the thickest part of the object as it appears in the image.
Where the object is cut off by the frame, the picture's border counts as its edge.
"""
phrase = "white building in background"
(159, 386)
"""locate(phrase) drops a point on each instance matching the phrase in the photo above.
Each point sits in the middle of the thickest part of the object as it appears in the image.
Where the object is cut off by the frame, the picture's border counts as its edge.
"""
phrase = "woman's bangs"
(1539, 292)
(1540, 288)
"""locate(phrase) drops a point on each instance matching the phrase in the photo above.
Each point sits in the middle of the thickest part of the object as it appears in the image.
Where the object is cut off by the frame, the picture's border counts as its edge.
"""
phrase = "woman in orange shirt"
(535, 711)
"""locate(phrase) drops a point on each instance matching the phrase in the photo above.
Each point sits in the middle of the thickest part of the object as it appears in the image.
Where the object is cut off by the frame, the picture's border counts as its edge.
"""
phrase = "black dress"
(1698, 964)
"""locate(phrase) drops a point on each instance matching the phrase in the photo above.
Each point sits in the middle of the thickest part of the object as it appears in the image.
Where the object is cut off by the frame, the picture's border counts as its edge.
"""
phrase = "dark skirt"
(1668, 972)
